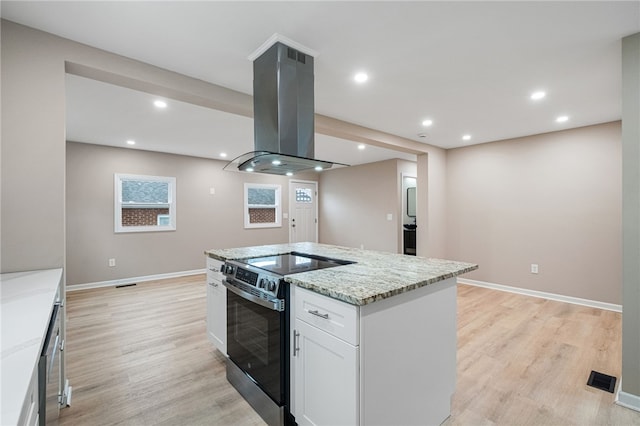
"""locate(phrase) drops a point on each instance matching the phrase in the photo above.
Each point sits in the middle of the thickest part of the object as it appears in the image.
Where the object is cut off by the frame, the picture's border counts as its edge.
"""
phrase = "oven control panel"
(261, 281)
(248, 277)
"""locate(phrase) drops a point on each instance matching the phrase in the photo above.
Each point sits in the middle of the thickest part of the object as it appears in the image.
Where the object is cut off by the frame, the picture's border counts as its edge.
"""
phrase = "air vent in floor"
(125, 285)
(602, 381)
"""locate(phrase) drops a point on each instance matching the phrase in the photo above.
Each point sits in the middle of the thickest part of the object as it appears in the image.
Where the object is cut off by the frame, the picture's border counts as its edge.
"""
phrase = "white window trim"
(118, 228)
(278, 206)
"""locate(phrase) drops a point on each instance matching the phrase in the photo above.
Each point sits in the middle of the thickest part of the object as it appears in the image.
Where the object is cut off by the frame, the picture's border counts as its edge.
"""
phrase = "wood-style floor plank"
(139, 356)
(525, 361)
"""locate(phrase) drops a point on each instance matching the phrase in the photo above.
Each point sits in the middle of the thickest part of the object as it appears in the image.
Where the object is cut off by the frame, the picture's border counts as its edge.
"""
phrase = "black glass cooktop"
(293, 263)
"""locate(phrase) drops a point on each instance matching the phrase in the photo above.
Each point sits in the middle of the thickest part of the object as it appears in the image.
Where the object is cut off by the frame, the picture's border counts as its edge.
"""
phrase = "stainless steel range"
(258, 328)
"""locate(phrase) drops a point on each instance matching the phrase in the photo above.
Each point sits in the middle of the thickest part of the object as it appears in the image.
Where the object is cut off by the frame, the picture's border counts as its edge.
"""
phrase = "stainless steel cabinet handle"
(56, 348)
(213, 284)
(214, 270)
(296, 348)
(318, 314)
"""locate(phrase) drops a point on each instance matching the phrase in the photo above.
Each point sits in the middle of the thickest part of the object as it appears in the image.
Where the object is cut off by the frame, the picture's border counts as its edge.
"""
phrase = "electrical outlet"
(534, 268)
(112, 263)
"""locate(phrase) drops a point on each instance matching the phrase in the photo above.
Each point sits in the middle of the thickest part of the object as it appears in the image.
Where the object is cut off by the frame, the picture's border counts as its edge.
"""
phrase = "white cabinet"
(390, 362)
(325, 361)
(29, 413)
(216, 305)
(326, 378)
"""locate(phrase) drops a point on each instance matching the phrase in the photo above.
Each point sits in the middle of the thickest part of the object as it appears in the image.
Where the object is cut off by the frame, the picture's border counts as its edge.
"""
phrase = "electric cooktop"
(293, 263)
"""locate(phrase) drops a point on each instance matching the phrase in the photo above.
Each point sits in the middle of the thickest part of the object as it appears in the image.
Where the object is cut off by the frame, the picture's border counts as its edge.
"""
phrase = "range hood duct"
(283, 115)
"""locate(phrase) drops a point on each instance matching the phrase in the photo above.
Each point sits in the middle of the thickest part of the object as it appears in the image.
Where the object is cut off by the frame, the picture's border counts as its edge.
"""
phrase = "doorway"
(303, 211)
(409, 226)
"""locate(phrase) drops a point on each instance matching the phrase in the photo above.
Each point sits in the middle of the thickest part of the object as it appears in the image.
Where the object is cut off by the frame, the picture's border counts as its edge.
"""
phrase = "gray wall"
(204, 221)
(33, 132)
(631, 216)
(551, 199)
(432, 234)
(32, 153)
(354, 203)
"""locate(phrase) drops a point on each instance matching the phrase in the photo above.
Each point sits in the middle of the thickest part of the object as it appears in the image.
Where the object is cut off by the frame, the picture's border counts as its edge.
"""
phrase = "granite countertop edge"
(375, 275)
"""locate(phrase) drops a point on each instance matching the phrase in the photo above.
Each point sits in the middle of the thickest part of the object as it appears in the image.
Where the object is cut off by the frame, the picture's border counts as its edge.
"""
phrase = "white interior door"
(303, 211)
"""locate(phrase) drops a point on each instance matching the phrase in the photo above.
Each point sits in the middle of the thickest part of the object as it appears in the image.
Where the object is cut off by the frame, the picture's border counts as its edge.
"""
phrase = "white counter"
(26, 303)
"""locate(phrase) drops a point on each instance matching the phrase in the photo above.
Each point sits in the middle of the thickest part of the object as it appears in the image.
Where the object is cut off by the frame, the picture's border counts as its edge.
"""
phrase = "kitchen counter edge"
(27, 300)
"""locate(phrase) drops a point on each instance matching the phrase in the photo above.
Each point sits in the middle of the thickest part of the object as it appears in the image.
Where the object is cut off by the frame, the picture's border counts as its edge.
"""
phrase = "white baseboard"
(132, 280)
(544, 295)
(628, 400)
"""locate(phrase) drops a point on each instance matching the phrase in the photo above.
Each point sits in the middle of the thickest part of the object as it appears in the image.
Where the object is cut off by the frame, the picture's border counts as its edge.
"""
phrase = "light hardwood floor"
(139, 356)
(526, 361)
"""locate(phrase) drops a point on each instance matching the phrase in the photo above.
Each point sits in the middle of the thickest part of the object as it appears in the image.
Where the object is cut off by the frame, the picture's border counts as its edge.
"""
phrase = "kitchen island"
(373, 342)
(375, 275)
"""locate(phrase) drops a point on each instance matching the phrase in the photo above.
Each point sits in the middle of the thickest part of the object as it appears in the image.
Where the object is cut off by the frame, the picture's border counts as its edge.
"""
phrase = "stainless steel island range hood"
(283, 115)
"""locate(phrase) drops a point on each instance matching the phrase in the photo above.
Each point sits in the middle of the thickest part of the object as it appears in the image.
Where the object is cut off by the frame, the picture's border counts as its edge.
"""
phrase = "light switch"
(285, 215)
(389, 216)
(212, 191)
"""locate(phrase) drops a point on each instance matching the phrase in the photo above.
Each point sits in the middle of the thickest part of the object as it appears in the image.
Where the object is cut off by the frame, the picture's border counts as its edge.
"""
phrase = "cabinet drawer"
(337, 318)
(213, 270)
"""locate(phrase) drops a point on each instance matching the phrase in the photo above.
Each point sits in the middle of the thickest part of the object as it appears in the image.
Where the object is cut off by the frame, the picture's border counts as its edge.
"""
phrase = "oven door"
(256, 344)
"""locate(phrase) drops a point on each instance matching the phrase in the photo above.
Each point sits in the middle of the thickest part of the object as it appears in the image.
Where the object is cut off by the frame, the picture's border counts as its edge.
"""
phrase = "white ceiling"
(105, 114)
(468, 66)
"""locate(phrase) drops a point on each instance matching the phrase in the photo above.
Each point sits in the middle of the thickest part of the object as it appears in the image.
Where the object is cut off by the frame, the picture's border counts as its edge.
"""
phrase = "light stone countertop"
(375, 275)
(26, 303)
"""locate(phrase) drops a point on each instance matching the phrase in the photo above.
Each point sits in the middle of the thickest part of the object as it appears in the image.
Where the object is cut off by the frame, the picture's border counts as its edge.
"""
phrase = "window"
(304, 195)
(262, 206)
(144, 203)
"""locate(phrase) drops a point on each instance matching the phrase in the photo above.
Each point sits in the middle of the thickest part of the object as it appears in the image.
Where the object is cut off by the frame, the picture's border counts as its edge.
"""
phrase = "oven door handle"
(274, 305)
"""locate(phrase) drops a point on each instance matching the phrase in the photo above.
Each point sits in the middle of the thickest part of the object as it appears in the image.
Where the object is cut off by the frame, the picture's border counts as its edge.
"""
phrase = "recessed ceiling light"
(562, 119)
(131, 142)
(427, 123)
(248, 169)
(361, 146)
(223, 154)
(361, 77)
(466, 137)
(538, 95)
(160, 104)
(289, 173)
(318, 168)
(276, 162)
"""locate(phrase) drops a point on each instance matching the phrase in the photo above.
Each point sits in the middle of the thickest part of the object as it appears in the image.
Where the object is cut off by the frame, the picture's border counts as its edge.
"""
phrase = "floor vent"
(602, 381)
(125, 285)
